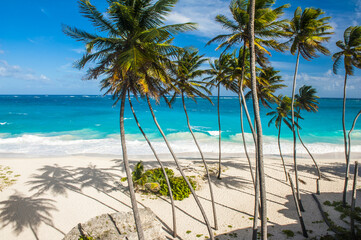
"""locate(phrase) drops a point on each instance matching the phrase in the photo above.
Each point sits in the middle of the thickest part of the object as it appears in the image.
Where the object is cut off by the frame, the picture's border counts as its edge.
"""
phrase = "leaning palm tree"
(307, 100)
(185, 69)
(260, 174)
(131, 36)
(220, 75)
(351, 55)
(282, 114)
(160, 164)
(162, 92)
(307, 31)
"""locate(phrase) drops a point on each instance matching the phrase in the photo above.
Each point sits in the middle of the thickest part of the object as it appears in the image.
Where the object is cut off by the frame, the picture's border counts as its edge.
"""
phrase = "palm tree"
(282, 114)
(350, 54)
(307, 31)
(185, 69)
(133, 37)
(269, 81)
(160, 164)
(307, 100)
(260, 175)
(180, 168)
(220, 75)
(267, 27)
(238, 70)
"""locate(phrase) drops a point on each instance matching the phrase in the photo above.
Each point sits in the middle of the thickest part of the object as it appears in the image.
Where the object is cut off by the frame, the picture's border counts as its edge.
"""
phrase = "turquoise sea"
(62, 125)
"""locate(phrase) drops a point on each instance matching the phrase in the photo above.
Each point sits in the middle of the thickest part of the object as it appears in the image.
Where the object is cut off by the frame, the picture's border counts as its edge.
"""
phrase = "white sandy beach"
(68, 204)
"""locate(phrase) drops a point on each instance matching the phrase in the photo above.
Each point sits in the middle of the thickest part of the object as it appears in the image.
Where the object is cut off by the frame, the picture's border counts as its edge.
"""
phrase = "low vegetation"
(7, 177)
(154, 182)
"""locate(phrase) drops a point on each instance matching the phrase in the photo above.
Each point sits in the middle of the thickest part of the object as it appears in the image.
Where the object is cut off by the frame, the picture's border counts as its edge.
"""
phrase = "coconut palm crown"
(131, 40)
(350, 50)
(307, 99)
(307, 30)
(185, 69)
(267, 26)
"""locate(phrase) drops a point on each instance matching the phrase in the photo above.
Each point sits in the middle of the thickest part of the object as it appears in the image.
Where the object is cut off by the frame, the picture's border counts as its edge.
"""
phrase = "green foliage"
(85, 238)
(7, 177)
(345, 212)
(179, 187)
(288, 233)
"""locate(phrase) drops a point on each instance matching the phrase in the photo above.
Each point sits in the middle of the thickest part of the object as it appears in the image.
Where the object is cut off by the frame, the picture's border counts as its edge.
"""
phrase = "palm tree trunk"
(181, 170)
(219, 137)
(259, 148)
(313, 159)
(244, 141)
(349, 135)
(161, 166)
(279, 147)
(294, 131)
(133, 200)
(345, 141)
(353, 202)
(257, 205)
(205, 165)
(240, 86)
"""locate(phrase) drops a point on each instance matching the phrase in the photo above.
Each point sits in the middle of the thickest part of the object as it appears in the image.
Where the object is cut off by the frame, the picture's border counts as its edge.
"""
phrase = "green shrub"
(179, 187)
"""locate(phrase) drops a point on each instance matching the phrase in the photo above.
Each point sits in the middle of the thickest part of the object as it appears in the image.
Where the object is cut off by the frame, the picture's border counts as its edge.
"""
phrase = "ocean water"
(62, 125)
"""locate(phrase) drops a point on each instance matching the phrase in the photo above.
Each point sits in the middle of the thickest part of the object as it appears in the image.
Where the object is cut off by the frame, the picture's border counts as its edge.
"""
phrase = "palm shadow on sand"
(59, 180)
(27, 212)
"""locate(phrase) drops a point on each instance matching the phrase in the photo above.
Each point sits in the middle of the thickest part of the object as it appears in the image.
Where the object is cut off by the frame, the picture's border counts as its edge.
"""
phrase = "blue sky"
(36, 57)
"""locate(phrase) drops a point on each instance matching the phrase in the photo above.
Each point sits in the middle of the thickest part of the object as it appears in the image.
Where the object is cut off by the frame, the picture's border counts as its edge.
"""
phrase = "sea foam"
(181, 142)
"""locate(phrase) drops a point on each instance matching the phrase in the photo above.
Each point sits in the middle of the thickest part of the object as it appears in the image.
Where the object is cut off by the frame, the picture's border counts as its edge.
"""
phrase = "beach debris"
(118, 226)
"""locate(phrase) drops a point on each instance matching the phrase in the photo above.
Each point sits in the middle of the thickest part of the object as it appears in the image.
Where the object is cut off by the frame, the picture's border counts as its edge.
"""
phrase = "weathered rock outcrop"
(117, 226)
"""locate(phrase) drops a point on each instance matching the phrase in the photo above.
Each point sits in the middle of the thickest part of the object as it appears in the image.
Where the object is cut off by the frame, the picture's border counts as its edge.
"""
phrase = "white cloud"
(14, 72)
(203, 13)
(327, 84)
(2, 51)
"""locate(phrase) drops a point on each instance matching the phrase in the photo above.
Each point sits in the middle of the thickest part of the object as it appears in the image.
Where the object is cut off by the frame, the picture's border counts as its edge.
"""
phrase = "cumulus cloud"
(327, 84)
(12, 72)
(203, 13)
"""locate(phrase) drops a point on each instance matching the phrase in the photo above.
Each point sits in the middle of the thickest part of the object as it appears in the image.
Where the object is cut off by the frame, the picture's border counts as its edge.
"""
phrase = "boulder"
(117, 226)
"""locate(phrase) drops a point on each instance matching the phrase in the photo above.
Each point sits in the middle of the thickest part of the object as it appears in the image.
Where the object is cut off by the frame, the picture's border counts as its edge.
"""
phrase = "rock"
(153, 187)
(117, 226)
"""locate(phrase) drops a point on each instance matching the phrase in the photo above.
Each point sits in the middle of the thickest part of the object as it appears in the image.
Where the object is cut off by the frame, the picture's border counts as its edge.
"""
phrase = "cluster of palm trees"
(133, 54)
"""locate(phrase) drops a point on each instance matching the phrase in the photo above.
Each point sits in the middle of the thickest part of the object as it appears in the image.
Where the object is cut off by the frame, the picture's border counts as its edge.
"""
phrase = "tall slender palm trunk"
(219, 137)
(205, 165)
(244, 140)
(313, 159)
(133, 200)
(344, 200)
(181, 170)
(257, 205)
(262, 184)
(279, 147)
(161, 166)
(294, 131)
(240, 89)
(349, 134)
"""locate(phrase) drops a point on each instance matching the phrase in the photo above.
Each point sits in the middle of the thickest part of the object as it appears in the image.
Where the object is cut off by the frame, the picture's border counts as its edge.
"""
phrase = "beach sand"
(54, 211)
